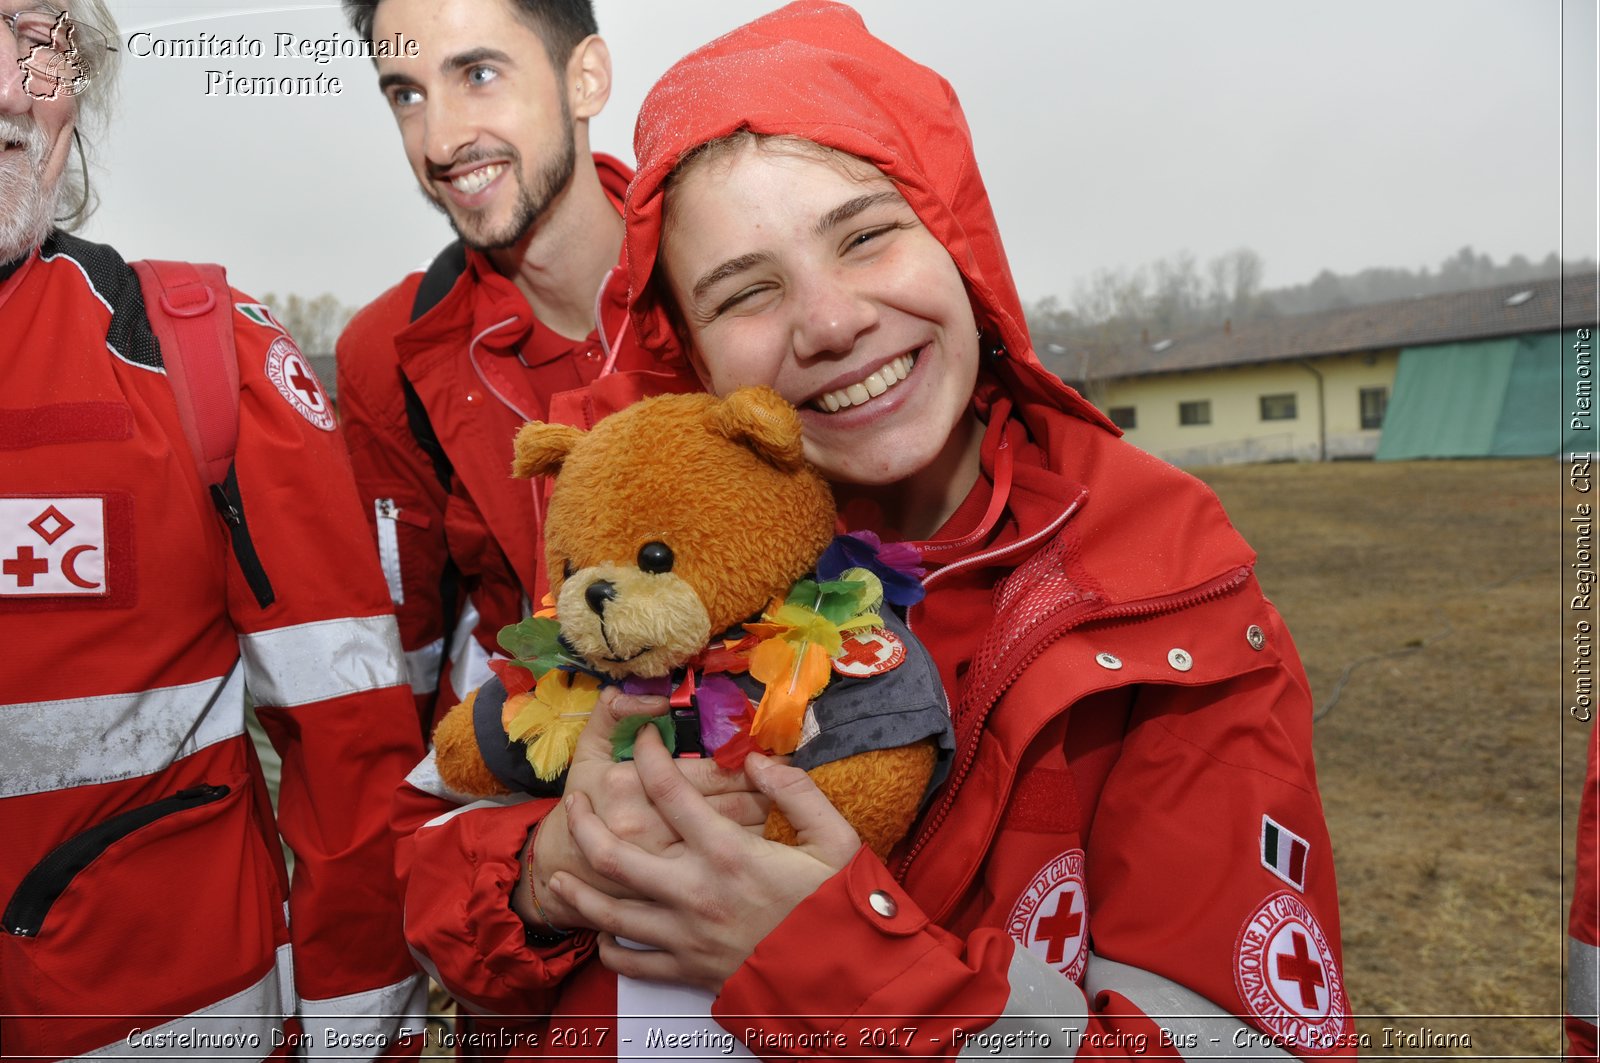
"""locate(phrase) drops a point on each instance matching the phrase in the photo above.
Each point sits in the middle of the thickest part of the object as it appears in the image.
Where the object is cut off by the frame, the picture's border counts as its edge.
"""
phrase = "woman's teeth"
(477, 180)
(867, 389)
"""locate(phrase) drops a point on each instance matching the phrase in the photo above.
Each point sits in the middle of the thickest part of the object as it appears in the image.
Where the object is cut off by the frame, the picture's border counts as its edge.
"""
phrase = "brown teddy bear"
(683, 536)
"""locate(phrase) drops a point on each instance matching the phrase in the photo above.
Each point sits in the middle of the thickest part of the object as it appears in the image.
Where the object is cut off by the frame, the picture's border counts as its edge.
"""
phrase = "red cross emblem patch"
(51, 547)
(1287, 976)
(869, 653)
(1051, 918)
(290, 372)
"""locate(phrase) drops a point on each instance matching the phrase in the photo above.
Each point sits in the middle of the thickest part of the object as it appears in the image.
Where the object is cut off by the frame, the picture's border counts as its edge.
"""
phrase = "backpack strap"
(189, 307)
(442, 273)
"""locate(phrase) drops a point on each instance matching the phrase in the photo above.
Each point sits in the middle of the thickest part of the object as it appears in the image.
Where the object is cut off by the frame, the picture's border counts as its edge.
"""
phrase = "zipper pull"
(229, 511)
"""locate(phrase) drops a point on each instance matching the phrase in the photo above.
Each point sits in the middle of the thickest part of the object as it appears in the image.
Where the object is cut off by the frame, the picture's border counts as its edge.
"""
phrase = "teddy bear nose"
(598, 593)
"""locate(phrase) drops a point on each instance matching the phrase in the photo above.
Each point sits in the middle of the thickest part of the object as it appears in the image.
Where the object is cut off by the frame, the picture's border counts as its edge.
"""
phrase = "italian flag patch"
(261, 314)
(1283, 852)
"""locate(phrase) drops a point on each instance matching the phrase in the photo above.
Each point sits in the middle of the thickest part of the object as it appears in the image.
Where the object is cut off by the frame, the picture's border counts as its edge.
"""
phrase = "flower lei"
(550, 693)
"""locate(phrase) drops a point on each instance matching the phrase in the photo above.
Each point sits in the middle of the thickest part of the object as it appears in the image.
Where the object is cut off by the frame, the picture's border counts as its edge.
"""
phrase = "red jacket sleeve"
(458, 861)
(1184, 914)
(398, 487)
(322, 662)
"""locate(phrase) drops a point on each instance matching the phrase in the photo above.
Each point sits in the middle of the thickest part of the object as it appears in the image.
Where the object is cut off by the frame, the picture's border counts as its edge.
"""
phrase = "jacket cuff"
(466, 932)
(860, 911)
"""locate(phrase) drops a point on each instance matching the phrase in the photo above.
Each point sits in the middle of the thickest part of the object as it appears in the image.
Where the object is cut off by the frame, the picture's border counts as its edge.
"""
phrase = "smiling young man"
(522, 318)
(147, 909)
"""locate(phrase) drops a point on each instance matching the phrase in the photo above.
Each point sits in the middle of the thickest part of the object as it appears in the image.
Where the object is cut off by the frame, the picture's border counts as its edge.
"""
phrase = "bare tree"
(314, 323)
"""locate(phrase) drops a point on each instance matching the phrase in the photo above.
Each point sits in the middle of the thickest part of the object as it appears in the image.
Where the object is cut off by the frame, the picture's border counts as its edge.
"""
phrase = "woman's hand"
(704, 902)
(615, 791)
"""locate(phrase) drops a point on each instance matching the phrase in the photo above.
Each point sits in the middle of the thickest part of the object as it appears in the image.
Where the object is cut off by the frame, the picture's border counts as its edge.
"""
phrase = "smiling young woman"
(1129, 850)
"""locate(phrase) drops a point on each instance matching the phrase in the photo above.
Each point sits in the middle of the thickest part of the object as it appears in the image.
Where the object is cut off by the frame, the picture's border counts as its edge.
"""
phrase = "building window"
(1374, 404)
(1278, 407)
(1195, 412)
(1124, 416)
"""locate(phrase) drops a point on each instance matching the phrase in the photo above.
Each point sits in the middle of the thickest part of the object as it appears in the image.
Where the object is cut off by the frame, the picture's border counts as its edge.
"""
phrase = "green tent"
(1505, 397)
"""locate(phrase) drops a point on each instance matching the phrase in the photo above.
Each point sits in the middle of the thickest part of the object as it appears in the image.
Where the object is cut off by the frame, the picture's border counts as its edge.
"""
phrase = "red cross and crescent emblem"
(1051, 918)
(1287, 975)
(869, 653)
(290, 372)
(51, 547)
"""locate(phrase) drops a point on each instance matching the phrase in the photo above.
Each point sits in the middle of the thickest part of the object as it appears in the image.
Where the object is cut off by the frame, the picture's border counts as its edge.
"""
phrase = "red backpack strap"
(190, 310)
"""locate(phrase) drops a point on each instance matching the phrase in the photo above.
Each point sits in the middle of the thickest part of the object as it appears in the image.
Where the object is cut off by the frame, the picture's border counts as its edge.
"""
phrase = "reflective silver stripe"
(298, 665)
(1207, 1031)
(499, 801)
(422, 665)
(286, 991)
(53, 745)
(238, 1028)
(469, 661)
(1045, 1016)
(360, 1020)
(1583, 980)
(389, 548)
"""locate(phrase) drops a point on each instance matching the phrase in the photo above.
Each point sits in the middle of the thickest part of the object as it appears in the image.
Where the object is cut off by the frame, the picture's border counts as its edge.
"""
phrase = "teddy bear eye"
(655, 557)
(566, 568)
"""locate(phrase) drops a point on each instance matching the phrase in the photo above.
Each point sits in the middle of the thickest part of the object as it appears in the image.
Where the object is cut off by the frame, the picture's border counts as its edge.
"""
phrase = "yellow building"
(1312, 387)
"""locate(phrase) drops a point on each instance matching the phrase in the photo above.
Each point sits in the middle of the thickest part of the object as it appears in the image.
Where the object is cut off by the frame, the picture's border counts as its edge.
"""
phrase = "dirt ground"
(1426, 603)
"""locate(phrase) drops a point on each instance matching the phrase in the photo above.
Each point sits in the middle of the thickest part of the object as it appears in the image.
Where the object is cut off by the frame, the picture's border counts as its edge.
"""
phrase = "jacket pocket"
(152, 915)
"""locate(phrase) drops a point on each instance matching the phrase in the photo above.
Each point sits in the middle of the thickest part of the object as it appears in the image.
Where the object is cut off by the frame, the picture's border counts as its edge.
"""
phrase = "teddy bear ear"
(764, 421)
(541, 448)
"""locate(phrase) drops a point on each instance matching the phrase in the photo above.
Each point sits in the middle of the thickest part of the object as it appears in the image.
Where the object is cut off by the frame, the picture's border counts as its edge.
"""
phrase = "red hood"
(812, 70)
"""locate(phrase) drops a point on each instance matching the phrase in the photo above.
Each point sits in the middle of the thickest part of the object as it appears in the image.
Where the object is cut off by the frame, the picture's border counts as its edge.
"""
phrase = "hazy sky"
(1364, 133)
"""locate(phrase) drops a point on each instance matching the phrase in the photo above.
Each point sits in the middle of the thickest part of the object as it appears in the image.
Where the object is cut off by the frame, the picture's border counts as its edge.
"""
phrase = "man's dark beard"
(551, 180)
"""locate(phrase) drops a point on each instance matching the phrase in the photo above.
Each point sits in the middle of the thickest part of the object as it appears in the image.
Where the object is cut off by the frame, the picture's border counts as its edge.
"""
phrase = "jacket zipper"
(1027, 654)
(389, 515)
(43, 886)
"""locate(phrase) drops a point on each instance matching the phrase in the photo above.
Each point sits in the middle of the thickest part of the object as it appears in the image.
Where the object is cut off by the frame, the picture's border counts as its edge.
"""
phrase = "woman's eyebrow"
(713, 277)
(850, 208)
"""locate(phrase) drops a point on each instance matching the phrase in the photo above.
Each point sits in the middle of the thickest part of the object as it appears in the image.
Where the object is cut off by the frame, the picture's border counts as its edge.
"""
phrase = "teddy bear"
(692, 553)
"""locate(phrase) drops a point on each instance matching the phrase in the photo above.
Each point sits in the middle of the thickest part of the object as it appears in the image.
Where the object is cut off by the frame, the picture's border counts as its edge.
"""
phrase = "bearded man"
(522, 318)
(146, 903)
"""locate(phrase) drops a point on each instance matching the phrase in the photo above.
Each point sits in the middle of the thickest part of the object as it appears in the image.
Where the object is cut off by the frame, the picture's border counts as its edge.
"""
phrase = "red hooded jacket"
(1130, 855)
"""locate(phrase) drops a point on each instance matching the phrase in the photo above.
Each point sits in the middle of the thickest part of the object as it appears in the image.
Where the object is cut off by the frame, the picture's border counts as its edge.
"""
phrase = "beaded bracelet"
(552, 933)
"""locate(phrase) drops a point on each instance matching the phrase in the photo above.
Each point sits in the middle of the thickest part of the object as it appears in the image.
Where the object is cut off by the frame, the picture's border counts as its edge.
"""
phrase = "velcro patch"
(260, 314)
(1287, 976)
(869, 653)
(53, 547)
(291, 373)
(1284, 853)
(1051, 918)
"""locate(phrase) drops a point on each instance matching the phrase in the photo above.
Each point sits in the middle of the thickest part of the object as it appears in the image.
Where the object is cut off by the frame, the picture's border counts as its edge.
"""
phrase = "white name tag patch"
(53, 547)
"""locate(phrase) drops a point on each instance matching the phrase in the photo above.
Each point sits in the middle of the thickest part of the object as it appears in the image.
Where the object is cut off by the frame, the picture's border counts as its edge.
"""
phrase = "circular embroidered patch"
(1051, 918)
(869, 653)
(291, 374)
(1287, 976)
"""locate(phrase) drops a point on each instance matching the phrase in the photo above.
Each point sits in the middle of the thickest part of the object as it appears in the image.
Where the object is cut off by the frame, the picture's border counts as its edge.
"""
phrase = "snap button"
(883, 904)
(1255, 637)
(1106, 660)
(1180, 659)
(473, 398)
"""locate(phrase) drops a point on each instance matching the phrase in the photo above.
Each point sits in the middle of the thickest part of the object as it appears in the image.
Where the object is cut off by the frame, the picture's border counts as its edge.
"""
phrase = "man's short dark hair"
(560, 24)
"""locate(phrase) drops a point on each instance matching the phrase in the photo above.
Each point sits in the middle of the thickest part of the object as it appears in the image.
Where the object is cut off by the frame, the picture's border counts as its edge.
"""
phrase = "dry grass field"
(1447, 758)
